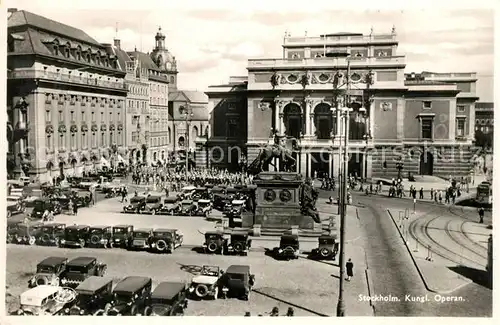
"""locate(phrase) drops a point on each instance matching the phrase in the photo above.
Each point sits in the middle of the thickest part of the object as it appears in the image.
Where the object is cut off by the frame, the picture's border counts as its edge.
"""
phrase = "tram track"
(462, 228)
(453, 234)
(434, 246)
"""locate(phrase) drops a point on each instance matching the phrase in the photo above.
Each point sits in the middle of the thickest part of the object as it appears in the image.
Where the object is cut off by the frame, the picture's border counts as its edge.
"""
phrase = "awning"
(104, 162)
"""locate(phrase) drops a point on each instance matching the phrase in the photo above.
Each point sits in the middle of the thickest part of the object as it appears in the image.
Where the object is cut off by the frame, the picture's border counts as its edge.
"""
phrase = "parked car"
(141, 239)
(43, 300)
(51, 234)
(75, 235)
(40, 205)
(48, 272)
(15, 205)
(94, 297)
(122, 235)
(168, 299)
(153, 204)
(87, 182)
(289, 247)
(27, 233)
(221, 201)
(327, 248)
(237, 207)
(82, 198)
(136, 205)
(239, 244)
(12, 229)
(131, 296)
(186, 192)
(188, 208)
(170, 206)
(80, 268)
(237, 282)
(214, 242)
(207, 283)
(203, 208)
(200, 193)
(166, 240)
(100, 236)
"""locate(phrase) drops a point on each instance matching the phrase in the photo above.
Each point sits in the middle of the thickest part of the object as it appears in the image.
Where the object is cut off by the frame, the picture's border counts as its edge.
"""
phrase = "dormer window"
(318, 55)
(358, 54)
(66, 50)
(295, 56)
(56, 49)
(382, 53)
(427, 104)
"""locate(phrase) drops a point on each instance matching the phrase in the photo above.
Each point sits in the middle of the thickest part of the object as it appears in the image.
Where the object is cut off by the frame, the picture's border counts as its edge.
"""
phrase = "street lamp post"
(343, 187)
(187, 114)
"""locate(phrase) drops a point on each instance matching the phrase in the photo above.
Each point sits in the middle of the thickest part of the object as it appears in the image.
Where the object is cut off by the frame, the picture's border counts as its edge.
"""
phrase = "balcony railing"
(389, 38)
(326, 62)
(65, 77)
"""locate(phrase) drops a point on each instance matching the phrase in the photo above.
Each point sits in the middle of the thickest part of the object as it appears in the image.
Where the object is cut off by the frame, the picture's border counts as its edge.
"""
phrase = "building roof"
(145, 60)
(425, 82)
(23, 17)
(190, 96)
(485, 105)
(121, 55)
(342, 34)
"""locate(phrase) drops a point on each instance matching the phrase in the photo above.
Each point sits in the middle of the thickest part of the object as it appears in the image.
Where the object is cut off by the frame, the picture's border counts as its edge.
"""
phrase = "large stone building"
(425, 119)
(484, 124)
(65, 98)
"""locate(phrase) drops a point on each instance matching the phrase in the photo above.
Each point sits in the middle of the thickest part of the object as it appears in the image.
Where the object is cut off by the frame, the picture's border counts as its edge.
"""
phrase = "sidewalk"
(354, 249)
(433, 269)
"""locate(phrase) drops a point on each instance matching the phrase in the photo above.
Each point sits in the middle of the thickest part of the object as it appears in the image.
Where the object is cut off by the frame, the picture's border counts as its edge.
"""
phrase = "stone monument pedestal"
(277, 205)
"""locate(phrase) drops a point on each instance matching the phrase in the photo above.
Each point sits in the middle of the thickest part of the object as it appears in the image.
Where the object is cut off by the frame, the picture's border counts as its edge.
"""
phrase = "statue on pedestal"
(282, 149)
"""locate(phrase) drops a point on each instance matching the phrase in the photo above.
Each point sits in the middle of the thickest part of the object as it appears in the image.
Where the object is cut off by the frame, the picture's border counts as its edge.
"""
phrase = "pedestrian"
(91, 198)
(349, 267)
(290, 312)
(432, 194)
(481, 214)
(275, 312)
(75, 208)
(440, 196)
(70, 207)
(247, 314)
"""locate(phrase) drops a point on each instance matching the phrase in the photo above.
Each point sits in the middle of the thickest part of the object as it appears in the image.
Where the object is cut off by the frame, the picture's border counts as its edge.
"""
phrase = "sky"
(212, 42)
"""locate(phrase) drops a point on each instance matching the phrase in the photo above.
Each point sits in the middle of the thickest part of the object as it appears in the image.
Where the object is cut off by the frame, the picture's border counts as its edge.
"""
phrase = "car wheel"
(147, 311)
(110, 244)
(153, 212)
(82, 242)
(9, 214)
(32, 240)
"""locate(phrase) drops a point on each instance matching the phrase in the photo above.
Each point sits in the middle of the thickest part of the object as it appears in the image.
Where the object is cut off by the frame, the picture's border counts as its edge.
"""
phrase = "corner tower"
(165, 60)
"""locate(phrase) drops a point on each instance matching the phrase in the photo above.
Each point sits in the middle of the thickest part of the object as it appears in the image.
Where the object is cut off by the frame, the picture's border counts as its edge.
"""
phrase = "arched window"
(194, 133)
(182, 141)
(172, 79)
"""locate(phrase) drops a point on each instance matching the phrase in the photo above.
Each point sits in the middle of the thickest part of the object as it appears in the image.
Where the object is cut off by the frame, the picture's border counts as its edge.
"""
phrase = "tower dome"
(161, 56)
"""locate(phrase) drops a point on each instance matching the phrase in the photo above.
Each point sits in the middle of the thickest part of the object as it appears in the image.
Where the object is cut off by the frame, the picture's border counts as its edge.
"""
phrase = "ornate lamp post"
(187, 113)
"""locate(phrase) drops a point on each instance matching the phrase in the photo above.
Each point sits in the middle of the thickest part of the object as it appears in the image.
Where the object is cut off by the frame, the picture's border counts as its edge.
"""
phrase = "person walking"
(290, 312)
(481, 215)
(75, 208)
(421, 194)
(70, 207)
(349, 268)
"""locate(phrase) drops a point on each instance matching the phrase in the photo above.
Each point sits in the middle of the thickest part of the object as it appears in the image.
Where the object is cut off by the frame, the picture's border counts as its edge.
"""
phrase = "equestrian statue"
(282, 148)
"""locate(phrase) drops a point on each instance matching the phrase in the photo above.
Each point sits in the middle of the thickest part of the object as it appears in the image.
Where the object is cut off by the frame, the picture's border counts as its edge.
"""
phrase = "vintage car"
(200, 193)
(327, 248)
(75, 236)
(168, 299)
(153, 204)
(12, 228)
(221, 201)
(45, 300)
(186, 192)
(214, 242)
(100, 236)
(237, 207)
(141, 239)
(166, 240)
(122, 235)
(82, 198)
(94, 297)
(40, 205)
(48, 272)
(237, 282)
(80, 268)
(203, 208)
(239, 244)
(289, 247)
(87, 182)
(131, 296)
(15, 205)
(188, 208)
(207, 283)
(51, 234)
(27, 233)
(136, 205)
(170, 206)
(111, 187)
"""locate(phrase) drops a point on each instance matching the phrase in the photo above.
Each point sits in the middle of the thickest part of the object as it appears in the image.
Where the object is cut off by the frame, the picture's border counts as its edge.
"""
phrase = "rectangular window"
(94, 140)
(48, 116)
(83, 116)
(103, 140)
(93, 116)
(84, 140)
(232, 127)
(464, 87)
(72, 115)
(111, 138)
(426, 128)
(461, 108)
(73, 141)
(427, 104)
(61, 117)
(460, 127)
(49, 142)
(61, 142)
(102, 117)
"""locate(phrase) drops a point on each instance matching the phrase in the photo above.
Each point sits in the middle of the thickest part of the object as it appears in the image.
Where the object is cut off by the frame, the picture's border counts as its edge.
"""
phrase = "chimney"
(11, 10)
(117, 43)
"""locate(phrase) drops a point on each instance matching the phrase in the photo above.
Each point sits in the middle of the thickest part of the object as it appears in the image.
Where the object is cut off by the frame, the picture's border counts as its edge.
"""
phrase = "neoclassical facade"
(65, 98)
(425, 119)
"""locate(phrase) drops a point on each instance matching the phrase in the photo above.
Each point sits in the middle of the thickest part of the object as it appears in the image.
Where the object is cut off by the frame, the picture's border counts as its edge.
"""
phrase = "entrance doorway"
(320, 164)
(426, 163)
(293, 120)
(356, 162)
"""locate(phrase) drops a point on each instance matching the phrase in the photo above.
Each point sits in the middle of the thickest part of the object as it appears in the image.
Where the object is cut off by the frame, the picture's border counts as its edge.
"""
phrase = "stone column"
(303, 157)
(308, 169)
(281, 124)
(330, 164)
(369, 161)
(308, 103)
